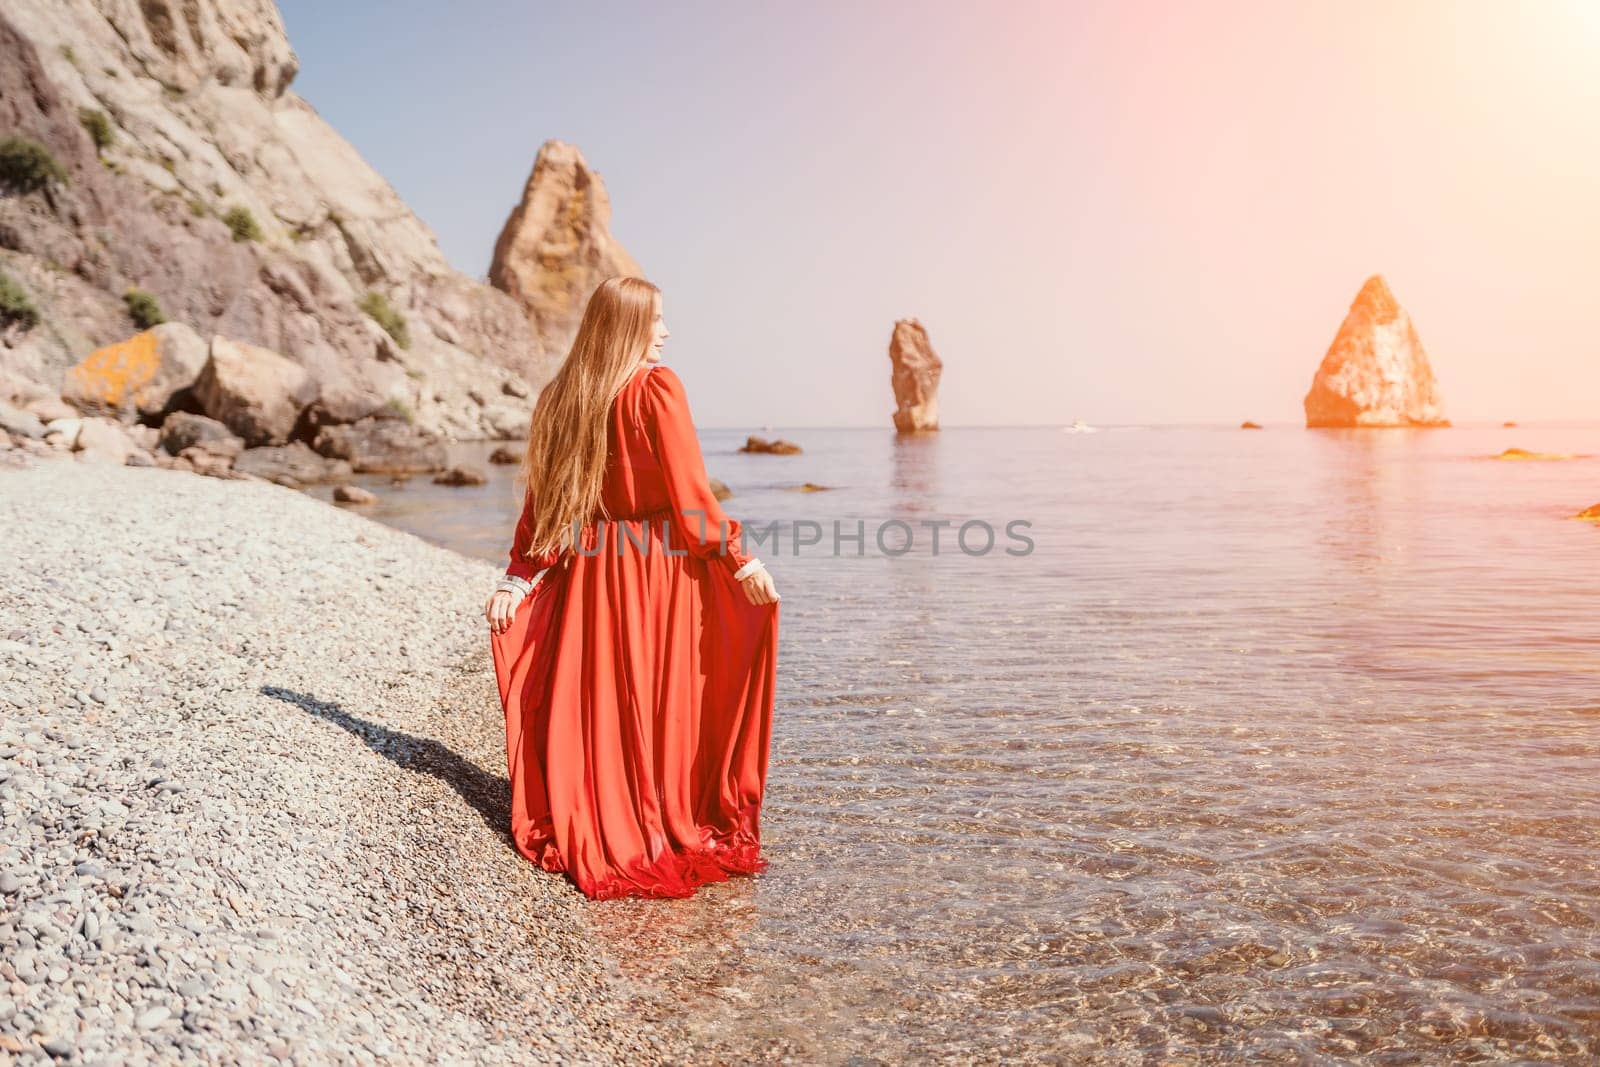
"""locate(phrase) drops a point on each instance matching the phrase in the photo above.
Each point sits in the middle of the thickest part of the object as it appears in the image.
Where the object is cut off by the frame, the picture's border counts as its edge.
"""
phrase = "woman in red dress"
(637, 675)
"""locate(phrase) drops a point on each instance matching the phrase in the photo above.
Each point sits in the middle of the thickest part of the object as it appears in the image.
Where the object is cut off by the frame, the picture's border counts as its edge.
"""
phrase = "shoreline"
(252, 797)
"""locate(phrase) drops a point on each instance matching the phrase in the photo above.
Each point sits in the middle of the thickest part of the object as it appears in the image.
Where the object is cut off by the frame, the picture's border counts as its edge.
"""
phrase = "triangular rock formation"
(1375, 372)
(556, 247)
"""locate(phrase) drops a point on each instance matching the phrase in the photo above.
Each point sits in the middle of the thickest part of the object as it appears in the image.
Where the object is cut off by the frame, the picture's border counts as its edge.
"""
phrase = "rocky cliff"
(156, 165)
(1375, 373)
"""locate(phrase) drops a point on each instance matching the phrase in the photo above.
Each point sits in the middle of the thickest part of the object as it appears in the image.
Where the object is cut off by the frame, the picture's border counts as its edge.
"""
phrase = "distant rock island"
(1375, 373)
(916, 378)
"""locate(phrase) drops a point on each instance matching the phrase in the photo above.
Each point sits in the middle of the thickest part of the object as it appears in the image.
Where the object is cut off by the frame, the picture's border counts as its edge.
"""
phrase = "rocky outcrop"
(194, 175)
(557, 246)
(1375, 373)
(916, 378)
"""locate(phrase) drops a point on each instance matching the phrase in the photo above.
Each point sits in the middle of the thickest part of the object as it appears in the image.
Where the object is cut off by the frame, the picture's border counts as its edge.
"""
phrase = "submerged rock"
(777, 446)
(354, 494)
(915, 377)
(1523, 453)
(1375, 373)
(461, 475)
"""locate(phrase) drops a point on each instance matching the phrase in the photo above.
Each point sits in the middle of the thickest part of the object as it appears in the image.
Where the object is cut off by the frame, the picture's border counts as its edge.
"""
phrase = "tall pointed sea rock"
(1375, 372)
(915, 377)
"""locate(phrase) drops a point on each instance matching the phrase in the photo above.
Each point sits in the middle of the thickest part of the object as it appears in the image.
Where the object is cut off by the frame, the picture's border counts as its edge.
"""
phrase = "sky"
(1125, 212)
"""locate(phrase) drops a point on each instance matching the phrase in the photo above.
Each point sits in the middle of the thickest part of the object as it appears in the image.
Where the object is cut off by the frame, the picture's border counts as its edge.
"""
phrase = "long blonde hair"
(565, 464)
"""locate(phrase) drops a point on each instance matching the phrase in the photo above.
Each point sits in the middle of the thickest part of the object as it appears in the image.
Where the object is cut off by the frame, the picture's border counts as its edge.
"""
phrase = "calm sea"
(1279, 745)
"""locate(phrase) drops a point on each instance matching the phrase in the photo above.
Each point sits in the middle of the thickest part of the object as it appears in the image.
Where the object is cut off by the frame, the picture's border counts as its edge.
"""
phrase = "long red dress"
(638, 684)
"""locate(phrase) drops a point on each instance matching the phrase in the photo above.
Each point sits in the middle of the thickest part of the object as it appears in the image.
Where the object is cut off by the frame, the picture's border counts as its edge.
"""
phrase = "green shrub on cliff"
(243, 224)
(143, 309)
(393, 323)
(27, 165)
(15, 305)
(99, 127)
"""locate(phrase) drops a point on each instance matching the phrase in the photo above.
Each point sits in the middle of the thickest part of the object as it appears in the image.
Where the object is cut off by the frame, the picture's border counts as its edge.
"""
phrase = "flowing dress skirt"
(638, 692)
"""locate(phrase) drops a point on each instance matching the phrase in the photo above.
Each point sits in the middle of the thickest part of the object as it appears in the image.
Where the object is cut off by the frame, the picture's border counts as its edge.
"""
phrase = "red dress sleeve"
(699, 524)
(521, 566)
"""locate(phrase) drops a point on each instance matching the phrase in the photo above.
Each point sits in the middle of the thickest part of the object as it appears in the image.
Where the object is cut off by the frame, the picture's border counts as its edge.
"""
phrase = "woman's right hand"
(758, 587)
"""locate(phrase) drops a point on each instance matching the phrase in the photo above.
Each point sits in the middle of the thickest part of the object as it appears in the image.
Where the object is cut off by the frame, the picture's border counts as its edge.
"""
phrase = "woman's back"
(635, 484)
(638, 685)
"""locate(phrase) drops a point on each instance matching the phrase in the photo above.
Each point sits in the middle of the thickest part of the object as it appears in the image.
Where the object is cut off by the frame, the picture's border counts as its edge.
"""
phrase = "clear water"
(1280, 745)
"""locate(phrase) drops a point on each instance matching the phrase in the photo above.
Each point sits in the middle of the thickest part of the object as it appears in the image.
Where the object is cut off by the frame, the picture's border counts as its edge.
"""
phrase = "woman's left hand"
(759, 587)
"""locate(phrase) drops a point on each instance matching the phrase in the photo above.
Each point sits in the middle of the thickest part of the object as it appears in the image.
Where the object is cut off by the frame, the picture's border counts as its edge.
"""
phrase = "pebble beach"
(252, 794)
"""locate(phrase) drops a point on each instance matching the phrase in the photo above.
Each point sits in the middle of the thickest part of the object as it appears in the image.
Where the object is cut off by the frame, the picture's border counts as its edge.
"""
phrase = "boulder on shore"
(102, 440)
(1375, 373)
(916, 378)
(184, 429)
(293, 465)
(139, 376)
(254, 391)
(382, 446)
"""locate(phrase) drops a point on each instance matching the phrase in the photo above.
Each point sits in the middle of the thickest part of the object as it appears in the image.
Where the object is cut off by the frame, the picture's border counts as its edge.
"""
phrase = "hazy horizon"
(1143, 213)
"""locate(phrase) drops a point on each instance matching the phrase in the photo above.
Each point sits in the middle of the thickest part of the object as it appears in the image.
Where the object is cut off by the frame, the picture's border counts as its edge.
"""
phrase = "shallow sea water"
(1280, 746)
